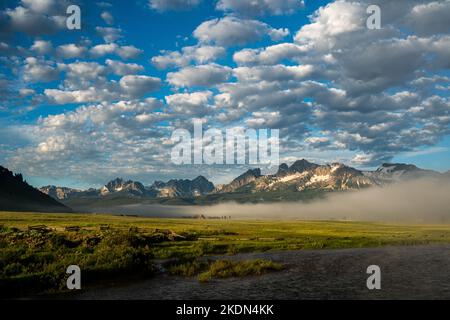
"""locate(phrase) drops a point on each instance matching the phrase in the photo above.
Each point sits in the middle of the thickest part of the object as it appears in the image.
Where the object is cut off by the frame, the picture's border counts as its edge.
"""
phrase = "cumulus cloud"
(166, 5)
(71, 50)
(365, 102)
(87, 82)
(138, 85)
(104, 49)
(76, 96)
(196, 103)
(269, 55)
(337, 88)
(109, 34)
(260, 7)
(317, 142)
(128, 52)
(34, 17)
(125, 52)
(429, 18)
(198, 54)
(123, 69)
(204, 75)
(96, 140)
(82, 74)
(273, 73)
(231, 31)
(36, 70)
(336, 18)
(42, 47)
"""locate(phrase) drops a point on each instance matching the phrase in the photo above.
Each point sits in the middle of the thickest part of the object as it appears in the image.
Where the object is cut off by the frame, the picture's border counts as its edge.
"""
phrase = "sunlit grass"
(107, 245)
(227, 268)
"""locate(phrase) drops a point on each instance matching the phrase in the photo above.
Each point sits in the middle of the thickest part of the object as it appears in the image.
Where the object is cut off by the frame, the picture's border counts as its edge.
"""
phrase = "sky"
(81, 107)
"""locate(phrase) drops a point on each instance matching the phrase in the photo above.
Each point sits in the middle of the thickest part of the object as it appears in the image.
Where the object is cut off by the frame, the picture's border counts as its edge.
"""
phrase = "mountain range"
(133, 189)
(303, 180)
(288, 183)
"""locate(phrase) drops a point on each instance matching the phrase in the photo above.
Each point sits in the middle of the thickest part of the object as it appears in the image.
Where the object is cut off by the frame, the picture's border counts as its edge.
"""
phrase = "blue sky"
(79, 107)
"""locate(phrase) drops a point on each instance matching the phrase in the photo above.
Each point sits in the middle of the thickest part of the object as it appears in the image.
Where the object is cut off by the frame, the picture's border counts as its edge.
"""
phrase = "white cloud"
(71, 50)
(123, 69)
(195, 103)
(40, 70)
(204, 75)
(35, 17)
(269, 55)
(83, 70)
(77, 96)
(336, 18)
(91, 140)
(273, 73)
(260, 7)
(104, 49)
(109, 34)
(230, 31)
(166, 5)
(93, 87)
(125, 52)
(128, 52)
(198, 54)
(137, 86)
(25, 92)
(317, 142)
(368, 93)
(430, 18)
(42, 47)
(40, 6)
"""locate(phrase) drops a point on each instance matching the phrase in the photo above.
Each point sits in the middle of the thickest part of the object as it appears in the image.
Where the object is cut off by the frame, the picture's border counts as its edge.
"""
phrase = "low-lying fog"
(414, 201)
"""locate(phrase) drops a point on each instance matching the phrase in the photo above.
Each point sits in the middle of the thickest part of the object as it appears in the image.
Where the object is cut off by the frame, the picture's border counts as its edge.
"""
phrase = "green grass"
(206, 270)
(115, 246)
(227, 268)
(187, 267)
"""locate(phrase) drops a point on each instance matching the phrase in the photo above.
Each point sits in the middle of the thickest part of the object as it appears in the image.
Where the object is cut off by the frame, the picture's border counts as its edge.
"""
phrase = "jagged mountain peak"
(392, 172)
(298, 166)
(302, 165)
(301, 175)
(58, 193)
(250, 173)
(244, 179)
(121, 185)
(200, 179)
(184, 188)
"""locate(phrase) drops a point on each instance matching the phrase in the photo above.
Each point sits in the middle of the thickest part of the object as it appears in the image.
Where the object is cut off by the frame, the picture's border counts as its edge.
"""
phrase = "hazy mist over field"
(425, 200)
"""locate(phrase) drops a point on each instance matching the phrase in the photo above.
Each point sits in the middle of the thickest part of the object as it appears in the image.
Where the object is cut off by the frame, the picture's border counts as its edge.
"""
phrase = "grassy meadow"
(36, 248)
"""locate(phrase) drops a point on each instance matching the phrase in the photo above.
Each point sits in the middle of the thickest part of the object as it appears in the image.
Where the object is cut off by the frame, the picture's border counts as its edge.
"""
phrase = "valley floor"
(320, 259)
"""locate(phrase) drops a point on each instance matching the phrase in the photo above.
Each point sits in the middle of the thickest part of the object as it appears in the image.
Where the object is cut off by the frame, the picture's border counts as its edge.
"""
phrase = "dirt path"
(421, 272)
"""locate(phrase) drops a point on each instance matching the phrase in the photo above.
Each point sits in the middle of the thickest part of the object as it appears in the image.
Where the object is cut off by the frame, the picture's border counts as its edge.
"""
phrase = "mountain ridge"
(17, 195)
(135, 189)
(301, 175)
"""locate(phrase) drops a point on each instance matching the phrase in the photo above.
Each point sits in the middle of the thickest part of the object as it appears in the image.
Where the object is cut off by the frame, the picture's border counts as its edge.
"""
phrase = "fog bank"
(414, 201)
